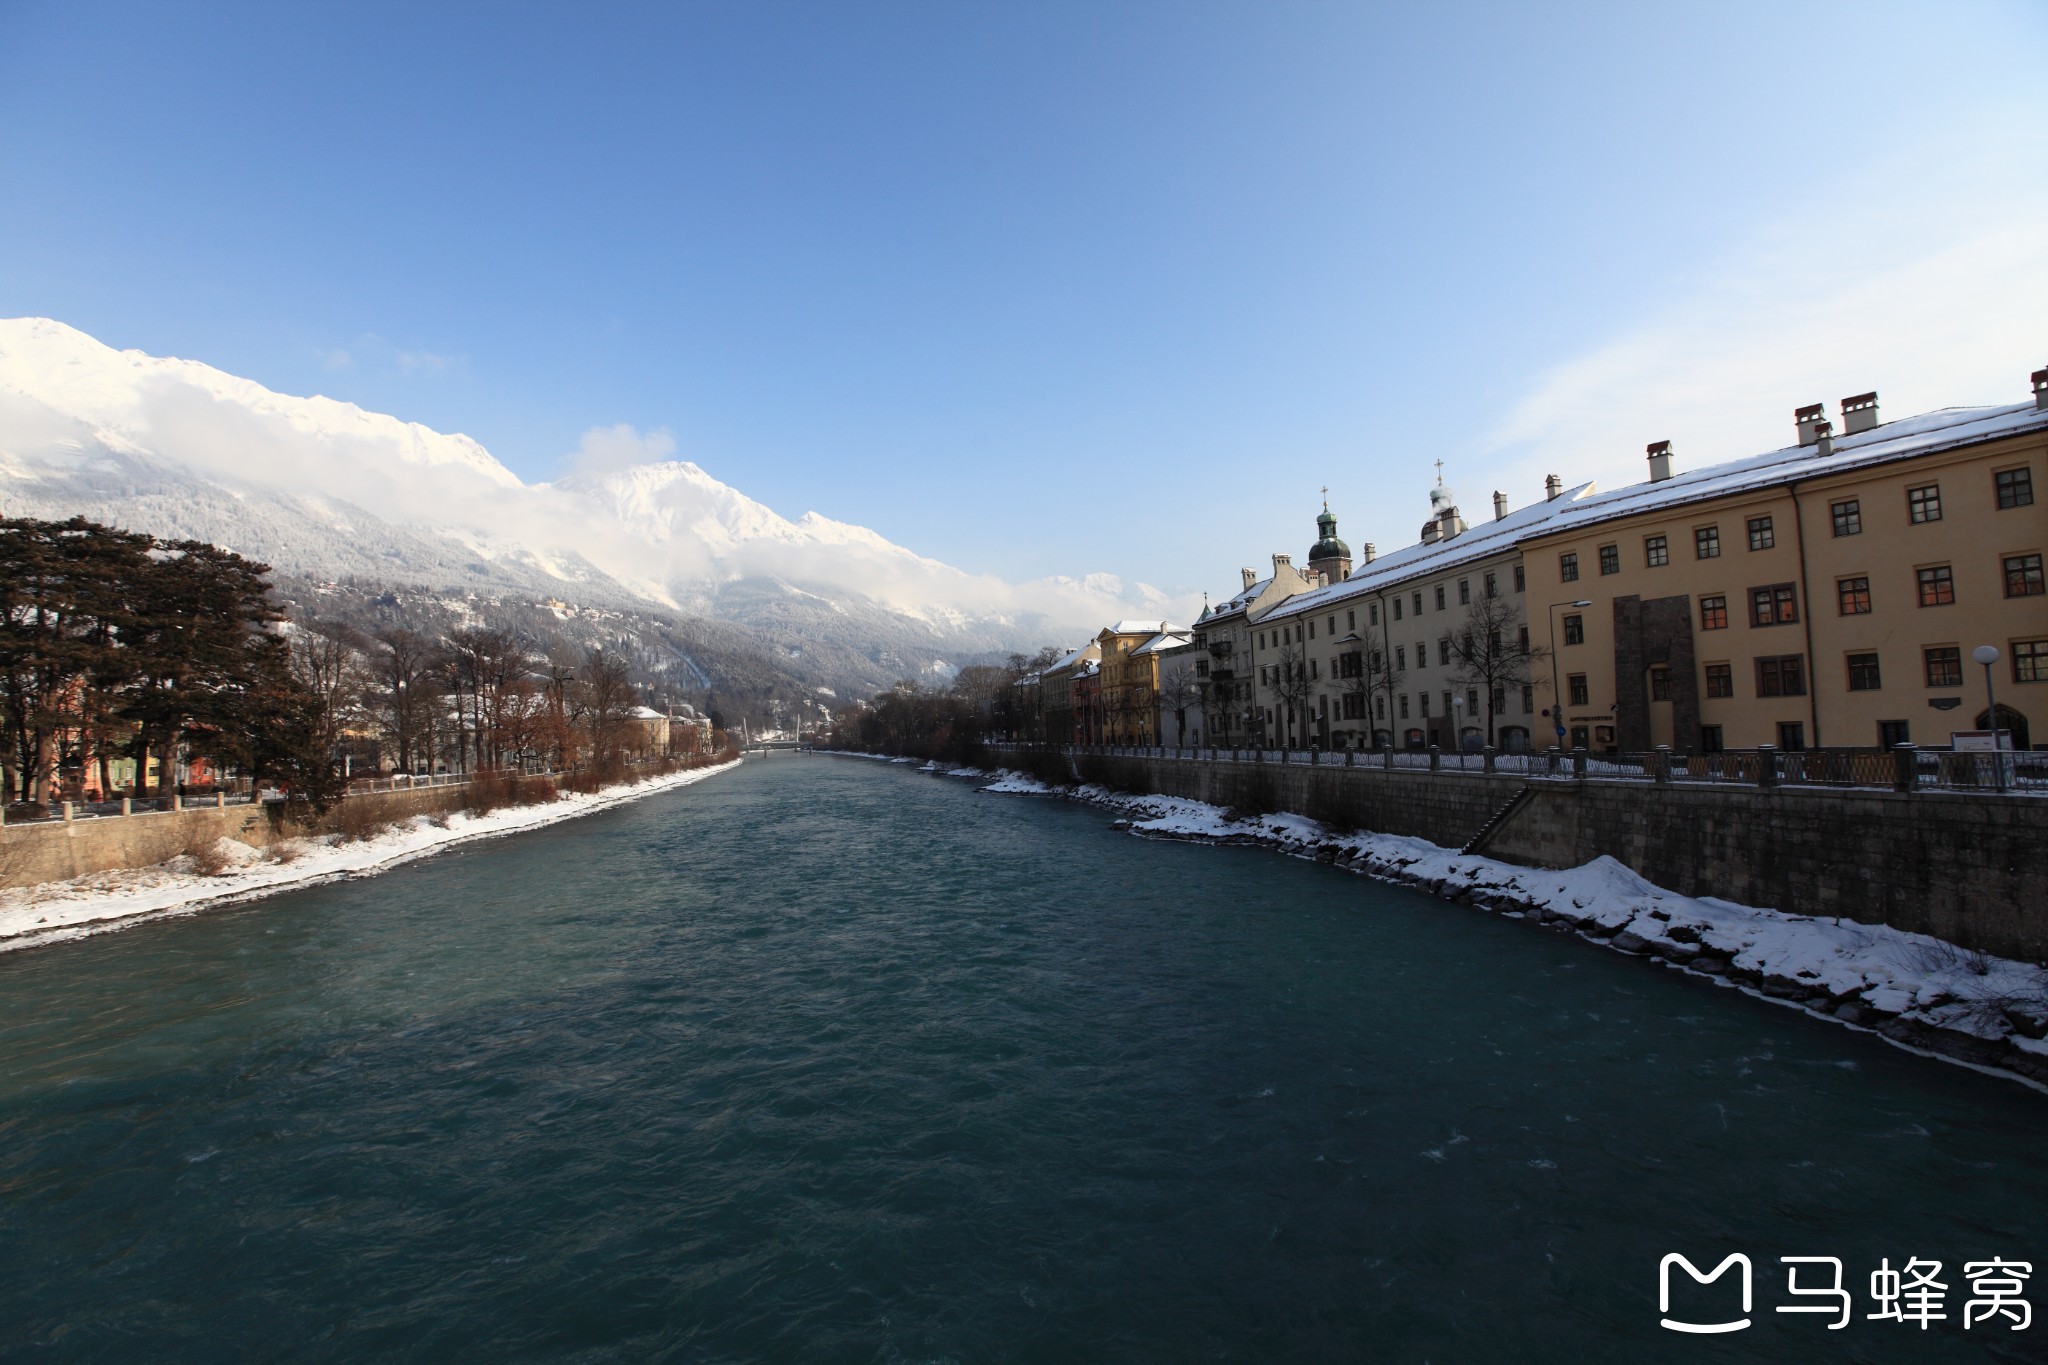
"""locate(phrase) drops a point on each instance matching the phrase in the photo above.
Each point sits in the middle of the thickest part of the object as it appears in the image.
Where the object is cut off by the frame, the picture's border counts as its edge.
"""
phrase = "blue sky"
(1053, 288)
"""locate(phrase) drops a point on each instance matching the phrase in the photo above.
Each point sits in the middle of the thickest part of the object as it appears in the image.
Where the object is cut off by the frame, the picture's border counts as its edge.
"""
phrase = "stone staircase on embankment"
(1500, 817)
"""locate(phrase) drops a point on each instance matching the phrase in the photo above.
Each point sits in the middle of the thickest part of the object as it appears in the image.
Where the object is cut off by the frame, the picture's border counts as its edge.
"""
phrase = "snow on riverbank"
(100, 901)
(1915, 990)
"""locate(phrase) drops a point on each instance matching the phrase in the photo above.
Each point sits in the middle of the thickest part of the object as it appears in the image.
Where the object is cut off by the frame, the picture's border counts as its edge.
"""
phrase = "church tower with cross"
(1444, 519)
(1329, 555)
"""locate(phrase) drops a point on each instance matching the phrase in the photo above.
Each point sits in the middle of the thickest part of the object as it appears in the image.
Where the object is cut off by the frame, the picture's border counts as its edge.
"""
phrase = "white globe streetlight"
(1988, 655)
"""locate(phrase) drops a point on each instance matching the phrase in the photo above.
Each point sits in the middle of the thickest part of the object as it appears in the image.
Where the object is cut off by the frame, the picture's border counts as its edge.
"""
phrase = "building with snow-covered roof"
(1829, 593)
(1426, 645)
(1089, 727)
(1224, 633)
(647, 731)
(1130, 678)
(1056, 691)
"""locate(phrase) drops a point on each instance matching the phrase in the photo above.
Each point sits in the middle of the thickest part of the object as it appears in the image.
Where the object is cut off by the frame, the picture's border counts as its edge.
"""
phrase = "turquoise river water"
(824, 1060)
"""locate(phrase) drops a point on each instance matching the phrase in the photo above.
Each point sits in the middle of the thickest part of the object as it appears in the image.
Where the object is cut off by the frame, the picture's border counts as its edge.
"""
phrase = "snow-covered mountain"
(325, 489)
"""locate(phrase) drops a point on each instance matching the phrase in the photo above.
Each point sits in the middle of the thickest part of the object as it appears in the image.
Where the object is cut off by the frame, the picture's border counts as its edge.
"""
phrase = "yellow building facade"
(1130, 680)
(1831, 594)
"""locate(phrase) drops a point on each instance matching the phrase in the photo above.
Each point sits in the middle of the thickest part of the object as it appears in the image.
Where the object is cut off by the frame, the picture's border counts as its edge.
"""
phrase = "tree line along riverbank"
(134, 668)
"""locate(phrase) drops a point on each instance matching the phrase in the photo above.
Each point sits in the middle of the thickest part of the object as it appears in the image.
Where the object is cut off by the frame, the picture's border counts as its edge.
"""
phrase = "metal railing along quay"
(1904, 768)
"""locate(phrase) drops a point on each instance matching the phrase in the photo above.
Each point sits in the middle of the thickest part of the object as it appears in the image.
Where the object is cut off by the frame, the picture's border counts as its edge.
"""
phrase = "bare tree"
(1491, 651)
(1371, 676)
(607, 703)
(403, 693)
(1181, 690)
(1292, 685)
(327, 660)
(484, 665)
(561, 710)
(1358, 672)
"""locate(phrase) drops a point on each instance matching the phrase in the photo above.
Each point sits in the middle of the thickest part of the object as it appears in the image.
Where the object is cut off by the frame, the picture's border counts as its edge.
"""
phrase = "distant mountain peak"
(327, 488)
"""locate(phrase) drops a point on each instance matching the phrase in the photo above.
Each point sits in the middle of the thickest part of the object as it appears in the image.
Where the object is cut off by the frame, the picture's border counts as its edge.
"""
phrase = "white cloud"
(620, 446)
(425, 362)
(338, 359)
(1928, 283)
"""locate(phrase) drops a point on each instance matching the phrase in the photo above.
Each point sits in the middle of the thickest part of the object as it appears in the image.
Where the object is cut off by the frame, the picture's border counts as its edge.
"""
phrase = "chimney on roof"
(1251, 576)
(1369, 553)
(1810, 418)
(2040, 378)
(1824, 437)
(1859, 413)
(1552, 487)
(1660, 461)
(1500, 505)
(1282, 562)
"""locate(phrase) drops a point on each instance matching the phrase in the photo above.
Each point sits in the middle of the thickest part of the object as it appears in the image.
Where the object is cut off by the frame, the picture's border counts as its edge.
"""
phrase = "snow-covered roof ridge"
(1147, 628)
(1241, 601)
(1166, 639)
(1413, 561)
(1583, 506)
(1909, 437)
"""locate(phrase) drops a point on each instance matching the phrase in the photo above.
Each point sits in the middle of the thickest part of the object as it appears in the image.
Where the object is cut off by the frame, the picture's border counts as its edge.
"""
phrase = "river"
(825, 1060)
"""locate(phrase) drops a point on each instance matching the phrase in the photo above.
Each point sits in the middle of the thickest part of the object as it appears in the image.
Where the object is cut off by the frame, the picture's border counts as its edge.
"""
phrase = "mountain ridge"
(327, 490)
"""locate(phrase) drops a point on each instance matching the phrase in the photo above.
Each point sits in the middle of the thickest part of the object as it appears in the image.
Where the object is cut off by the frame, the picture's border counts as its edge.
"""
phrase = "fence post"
(1315, 757)
(1556, 759)
(220, 800)
(1387, 755)
(1486, 760)
(1436, 758)
(67, 812)
(127, 807)
(177, 801)
(1767, 765)
(1905, 767)
(1351, 758)
(1660, 764)
(1579, 764)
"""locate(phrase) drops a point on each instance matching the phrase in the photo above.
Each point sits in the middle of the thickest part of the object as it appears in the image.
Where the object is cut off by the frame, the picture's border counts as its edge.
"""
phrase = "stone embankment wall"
(1972, 869)
(54, 850)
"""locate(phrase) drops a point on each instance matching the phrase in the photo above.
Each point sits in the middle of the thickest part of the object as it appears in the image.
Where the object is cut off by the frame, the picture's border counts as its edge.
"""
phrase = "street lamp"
(1556, 692)
(1988, 655)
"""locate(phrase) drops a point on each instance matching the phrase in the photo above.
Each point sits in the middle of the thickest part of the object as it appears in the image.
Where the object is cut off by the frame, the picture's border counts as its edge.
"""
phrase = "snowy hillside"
(325, 489)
